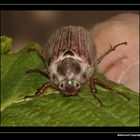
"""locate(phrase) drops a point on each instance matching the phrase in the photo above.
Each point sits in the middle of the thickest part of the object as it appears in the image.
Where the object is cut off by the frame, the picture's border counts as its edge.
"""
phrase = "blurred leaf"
(54, 109)
(5, 44)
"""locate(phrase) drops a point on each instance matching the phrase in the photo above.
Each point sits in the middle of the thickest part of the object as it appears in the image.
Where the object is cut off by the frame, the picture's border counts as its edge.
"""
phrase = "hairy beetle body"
(70, 58)
(70, 55)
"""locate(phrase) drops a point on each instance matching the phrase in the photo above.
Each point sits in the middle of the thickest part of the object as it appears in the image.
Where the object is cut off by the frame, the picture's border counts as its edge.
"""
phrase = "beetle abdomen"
(71, 40)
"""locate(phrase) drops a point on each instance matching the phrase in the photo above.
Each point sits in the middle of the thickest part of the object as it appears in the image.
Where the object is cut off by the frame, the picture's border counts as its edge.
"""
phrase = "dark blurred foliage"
(27, 26)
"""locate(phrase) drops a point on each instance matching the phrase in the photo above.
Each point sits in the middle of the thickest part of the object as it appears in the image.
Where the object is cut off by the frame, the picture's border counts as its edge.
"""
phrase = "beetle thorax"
(69, 67)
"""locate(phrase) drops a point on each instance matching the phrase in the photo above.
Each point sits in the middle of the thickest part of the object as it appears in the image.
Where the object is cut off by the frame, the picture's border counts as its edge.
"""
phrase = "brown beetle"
(70, 59)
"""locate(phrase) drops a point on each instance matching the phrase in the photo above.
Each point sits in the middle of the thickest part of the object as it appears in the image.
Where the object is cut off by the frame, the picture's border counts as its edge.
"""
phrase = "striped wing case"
(74, 40)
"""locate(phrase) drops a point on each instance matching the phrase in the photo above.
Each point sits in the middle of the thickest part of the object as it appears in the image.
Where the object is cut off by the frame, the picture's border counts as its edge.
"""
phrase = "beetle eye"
(84, 75)
(54, 77)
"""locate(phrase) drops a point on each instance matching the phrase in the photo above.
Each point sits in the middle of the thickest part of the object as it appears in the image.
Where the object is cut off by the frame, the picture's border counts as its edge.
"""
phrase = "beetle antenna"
(110, 50)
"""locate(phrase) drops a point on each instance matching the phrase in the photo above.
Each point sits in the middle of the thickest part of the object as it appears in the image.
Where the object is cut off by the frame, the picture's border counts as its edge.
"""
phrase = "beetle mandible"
(70, 60)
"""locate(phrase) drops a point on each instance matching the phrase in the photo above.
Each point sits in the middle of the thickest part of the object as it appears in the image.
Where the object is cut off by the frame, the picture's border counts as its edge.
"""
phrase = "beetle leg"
(110, 50)
(45, 73)
(40, 91)
(105, 85)
(38, 53)
(92, 85)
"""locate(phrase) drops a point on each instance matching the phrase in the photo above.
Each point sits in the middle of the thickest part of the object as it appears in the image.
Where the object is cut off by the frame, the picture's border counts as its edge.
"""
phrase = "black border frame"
(70, 130)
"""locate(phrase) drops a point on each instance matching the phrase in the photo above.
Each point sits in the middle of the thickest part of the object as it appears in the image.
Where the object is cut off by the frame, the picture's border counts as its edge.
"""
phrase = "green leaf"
(5, 44)
(54, 109)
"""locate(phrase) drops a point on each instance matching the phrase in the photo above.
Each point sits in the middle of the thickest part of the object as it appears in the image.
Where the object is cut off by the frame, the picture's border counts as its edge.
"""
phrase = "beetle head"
(69, 87)
(69, 75)
(68, 69)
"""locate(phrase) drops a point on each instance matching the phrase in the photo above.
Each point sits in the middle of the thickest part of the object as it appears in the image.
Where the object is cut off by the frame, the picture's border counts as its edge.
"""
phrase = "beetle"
(71, 60)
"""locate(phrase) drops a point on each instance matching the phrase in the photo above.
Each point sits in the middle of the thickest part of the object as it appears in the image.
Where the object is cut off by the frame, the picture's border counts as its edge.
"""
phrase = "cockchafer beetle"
(70, 60)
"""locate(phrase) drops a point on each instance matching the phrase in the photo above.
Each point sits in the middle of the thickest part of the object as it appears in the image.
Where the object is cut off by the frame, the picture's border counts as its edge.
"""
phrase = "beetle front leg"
(40, 91)
(110, 50)
(45, 73)
(100, 82)
(92, 85)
